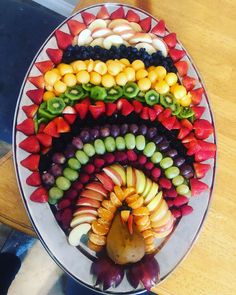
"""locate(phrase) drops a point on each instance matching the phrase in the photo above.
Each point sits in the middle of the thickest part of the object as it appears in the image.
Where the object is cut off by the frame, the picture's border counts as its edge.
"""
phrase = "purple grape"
(70, 151)
(123, 129)
(133, 128)
(142, 129)
(85, 136)
(58, 158)
(94, 133)
(163, 146)
(179, 161)
(158, 139)
(152, 132)
(48, 179)
(56, 170)
(187, 171)
(172, 153)
(77, 142)
(115, 130)
(104, 131)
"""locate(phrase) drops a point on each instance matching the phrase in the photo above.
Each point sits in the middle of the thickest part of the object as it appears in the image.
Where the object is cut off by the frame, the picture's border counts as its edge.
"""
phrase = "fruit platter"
(114, 148)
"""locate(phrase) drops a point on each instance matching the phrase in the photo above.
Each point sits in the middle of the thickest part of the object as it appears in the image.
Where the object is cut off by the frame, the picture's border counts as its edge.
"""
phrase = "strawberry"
(180, 200)
(201, 169)
(87, 17)
(98, 109)
(51, 129)
(26, 127)
(183, 132)
(44, 139)
(137, 106)
(182, 67)
(152, 114)
(187, 124)
(189, 138)
(40, 195)
(69, 114)
(193, 148)
(63, 39)
(41, 127)
(34, 179)
(196, 95)
(170, 40)
(145, 113)
(125, 106)
(159, 29)
(207, 146)
(36, 95)
(189, 82)
(158, 108)
(44, 66)
(37, 81)
(103, 13)
(45, 150)
(176, 54)
(145, 24)
(168, 123)
(198, 110)
(75, 27)
(202, 128)
(62, 125)
(164, 115)
(132, 16)
(204, 155)
(30, 110)
(69, 110)
(186, 210)
(197, 186)
(119, 13)
(31, 162)
(30, 144)
(82, 109)
(110, 108)
(176, 125)
(55, 55)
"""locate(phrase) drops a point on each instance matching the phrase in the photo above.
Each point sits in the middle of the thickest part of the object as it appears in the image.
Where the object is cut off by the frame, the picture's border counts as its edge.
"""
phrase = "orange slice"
(104, 222)
(109, 206)
(115, 201)
(125, 215)
(119, 193)
(94, 247)
(129, 191)
(142, 228)
(149, 240)
(99, 229)
(105, 214)
(147, 233)
(142, 220)
(97, 239)
(137, 204)
(132, 198)
(150, 248)
(141, 211)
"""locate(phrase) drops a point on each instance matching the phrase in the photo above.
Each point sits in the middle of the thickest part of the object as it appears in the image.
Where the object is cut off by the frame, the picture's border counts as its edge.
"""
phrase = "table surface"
(208, 32)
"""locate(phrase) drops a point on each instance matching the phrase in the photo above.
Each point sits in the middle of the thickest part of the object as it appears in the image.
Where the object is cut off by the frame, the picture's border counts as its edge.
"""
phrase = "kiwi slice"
(186, 113)
(176, 108)
(55, 105)
(114, 93)
(152, 97)
(87, 86)
(98, 93)
(131, 90)
(141, 96)
(167, 100)
(74, 93)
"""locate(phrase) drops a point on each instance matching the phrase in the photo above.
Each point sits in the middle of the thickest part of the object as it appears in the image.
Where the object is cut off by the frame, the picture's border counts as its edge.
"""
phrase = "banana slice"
(140, 37)
(119, 29)
(101, 33)
(84, 37)
(116, 22)
(160, 45)
(112, 40)
(149, 48)
(97, 24)
(135, 26)
(97, 42)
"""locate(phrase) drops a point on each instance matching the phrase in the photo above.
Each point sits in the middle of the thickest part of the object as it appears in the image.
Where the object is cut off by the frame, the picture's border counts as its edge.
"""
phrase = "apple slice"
(130, 177)
(152, 193)
(159, 212)
(140, 181)
(88, 202)
(83, 218)
(140, 37)
(121, 171)
(97, 24)
(135, 27)
(149, 48)
(164, 234)
(121, 28)
(163, 221)
(148, 187)
(97, 187)
(92, 195)
(117, 22)
(85, 210)
(160, 45)
(101, 33)
(126, 35)
(106, 181)
(112, 40)
(97, 42)
(155, 202)
(115, 177)
(77, 232)
(166, 226)
(84, 37)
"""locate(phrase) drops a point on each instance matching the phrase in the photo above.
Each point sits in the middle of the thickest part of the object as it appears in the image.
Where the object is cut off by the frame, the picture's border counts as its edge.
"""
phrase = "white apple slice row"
(126, 35)
(117, 22)
(149, 48)
(112, 40)
(152, 193)
(140, 37)
(160, 45)
(135, 26)
(101, 33)
(163, 221)
(121, 28)
(77, 232)
(97, 42)
(82, 218)
(85, 210)
(164, 234)
(97, 24)
(84, 37)
(159, 212)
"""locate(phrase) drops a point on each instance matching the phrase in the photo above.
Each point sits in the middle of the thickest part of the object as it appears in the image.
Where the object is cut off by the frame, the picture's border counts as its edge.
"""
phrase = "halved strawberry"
(55, 55)
(40, 195)
(152, 114)
(30, 110)
(36, 95)
(198, 110)
(164, 115)
(69, 113)
(145, 113)
(182, 67)
(41, 127)
(132, 16)
(30, 144)
(204, 155)
(159, 29)
(37, 81)
(197, 186)
(189, 138)
(170, 40)
(44, 139)
(98, 109)
(31, 162)
(75, 27)
(168, 123)
(137, 106)
(145, 24)
(183, 132)
(51, 129)
(125, 106)
(201, 169)
(110, 108)
(119, 13)
(63, 39)
(34, 179)
(193, 148)
(187, 124)
(176, 125)
(45, 150)
(44, 66)
(82, 109)
(176, 54)
(26, 127)
(62, 125)
(103, 13)
(87, 17)
(189, 82)
(196, 95)
(158, 109)
(207, 146)
(202, 128)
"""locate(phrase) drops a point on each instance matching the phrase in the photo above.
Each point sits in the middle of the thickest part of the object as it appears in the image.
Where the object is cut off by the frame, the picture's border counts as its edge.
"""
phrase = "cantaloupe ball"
(90, 66)
(100, 67)
(51, 77)
(179, 91)
(144, 84)
(108, 80)
(152, 76)
(151, 68)
(186, 100)
(140, 74)
(171, 79)
(162, 87)
(65, 69)
(78, 65)
(114, 68)
(130, 74)
(125, 61)
(48, 95)
(161, 72)
(83, 77)
(95, 78)
(121, 79)
(60, 87)
(138, 64)
(70, 80)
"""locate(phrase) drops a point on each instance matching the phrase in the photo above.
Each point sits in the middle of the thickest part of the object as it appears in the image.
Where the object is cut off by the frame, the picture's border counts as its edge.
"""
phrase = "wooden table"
(207, 30)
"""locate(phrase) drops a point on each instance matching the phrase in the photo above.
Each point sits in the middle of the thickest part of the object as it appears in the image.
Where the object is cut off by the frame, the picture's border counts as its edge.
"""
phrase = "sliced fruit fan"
(114, 124)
